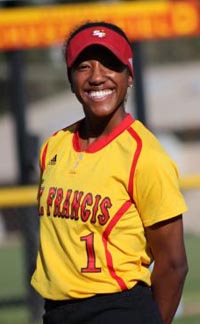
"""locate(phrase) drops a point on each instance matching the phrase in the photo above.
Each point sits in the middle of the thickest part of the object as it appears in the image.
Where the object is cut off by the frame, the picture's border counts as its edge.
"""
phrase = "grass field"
(12, 283)
(191, 297)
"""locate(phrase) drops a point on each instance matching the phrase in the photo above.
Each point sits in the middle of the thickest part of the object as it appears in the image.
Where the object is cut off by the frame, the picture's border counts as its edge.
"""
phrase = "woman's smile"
(99, 95)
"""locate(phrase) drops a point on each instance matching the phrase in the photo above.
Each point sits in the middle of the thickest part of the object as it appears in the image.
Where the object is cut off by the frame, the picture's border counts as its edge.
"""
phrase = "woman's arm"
(166, 242)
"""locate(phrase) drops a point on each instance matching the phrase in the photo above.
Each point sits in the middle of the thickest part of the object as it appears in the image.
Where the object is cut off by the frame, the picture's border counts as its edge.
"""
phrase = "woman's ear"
(130, 81)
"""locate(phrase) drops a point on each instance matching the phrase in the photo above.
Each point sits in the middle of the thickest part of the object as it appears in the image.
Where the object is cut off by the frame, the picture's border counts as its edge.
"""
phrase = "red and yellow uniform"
(93, 208)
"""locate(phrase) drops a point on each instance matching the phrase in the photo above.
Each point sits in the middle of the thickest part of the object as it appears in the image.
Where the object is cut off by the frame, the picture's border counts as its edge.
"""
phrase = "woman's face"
(100, 82)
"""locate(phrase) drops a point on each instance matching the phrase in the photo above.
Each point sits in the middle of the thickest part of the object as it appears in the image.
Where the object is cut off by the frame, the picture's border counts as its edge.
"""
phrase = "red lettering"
(104, 206)
(76, 204)
(95, 209)
(66, 204)
(40, 208)
(85, 213)
(50, 198)
(57, 203)
(91, 258)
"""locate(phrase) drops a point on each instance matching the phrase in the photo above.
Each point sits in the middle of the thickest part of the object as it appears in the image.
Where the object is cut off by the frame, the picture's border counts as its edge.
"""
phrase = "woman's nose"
(97, 73)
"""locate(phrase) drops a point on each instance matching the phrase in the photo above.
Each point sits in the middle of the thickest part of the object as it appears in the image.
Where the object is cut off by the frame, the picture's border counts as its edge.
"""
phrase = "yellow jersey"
(93, 208)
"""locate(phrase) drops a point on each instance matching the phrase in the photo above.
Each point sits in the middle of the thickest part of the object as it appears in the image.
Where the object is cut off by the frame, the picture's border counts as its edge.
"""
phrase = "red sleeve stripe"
(135, 159)
(43, 162)
(105, 235)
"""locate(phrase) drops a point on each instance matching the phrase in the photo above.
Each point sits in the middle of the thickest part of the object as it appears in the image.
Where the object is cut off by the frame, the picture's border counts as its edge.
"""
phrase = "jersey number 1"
(91, 260)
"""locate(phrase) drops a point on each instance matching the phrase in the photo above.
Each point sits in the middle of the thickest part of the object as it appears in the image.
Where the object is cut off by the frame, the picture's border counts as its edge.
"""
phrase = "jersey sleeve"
(156, 188)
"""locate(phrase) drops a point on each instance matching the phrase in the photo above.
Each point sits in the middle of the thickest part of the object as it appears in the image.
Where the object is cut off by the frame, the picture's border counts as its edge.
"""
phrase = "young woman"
(109, 200)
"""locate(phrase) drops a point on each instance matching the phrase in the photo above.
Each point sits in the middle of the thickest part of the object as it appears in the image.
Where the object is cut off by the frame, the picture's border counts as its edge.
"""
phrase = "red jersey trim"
(102, 142)
(44, 153)
(105, 235)
(135, 159)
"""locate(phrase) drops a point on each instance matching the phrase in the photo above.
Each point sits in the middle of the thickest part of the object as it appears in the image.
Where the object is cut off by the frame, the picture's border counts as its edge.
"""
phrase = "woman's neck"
(92, 130)
(100, 127)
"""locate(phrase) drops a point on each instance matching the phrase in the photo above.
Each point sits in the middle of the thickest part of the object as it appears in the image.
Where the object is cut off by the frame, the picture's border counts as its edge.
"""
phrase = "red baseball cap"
(104, 36)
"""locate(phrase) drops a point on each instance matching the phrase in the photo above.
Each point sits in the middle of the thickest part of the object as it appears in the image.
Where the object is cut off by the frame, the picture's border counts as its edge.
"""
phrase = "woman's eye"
(83, 66)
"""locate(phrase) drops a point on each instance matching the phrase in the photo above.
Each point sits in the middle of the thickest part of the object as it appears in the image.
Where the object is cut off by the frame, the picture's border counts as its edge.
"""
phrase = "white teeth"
(100, 93)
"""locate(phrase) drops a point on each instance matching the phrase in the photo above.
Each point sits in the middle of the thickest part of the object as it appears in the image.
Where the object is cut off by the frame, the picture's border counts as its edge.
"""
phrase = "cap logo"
(99, 33)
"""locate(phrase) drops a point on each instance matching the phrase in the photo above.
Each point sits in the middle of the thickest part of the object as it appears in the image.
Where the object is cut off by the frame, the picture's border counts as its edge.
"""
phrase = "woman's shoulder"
(62, 133)
(152, 150)
(55, 142)
(146, 137)
(66, 131)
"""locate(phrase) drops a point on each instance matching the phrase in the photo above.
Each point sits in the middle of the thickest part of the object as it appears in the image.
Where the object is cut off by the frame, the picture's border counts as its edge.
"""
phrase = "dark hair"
(89, 24)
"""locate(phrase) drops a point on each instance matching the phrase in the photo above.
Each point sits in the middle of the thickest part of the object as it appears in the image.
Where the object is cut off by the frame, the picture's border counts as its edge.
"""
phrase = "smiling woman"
(100, 82)
(109, 200)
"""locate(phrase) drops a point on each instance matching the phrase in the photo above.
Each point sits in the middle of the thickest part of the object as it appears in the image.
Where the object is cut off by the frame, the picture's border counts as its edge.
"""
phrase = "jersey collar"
(102, 142)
